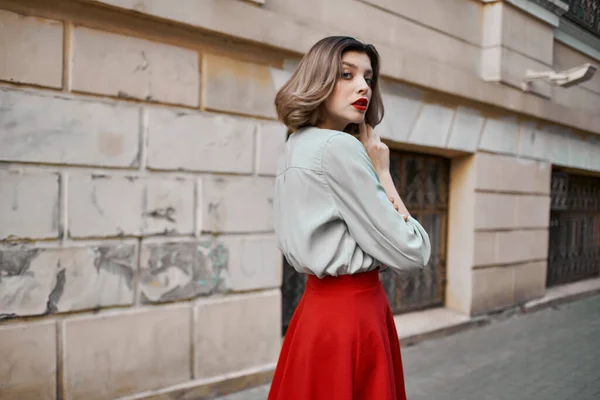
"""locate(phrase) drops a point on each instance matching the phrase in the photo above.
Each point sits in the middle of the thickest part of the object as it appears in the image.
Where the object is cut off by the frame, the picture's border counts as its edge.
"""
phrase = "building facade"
(138, 147)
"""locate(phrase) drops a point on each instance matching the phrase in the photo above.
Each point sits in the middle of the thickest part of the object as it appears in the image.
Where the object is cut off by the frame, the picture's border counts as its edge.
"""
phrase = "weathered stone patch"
(182, 270)
(38, 280)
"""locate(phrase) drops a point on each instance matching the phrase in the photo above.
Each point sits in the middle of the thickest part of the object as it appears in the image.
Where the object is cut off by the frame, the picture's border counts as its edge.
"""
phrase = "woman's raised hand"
(376, 149)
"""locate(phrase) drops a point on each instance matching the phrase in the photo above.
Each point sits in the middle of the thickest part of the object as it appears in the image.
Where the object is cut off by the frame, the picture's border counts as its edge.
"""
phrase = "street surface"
(553, 354)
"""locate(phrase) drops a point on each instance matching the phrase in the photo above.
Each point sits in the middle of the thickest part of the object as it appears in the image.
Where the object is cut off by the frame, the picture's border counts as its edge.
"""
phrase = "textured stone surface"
(250, 335)
(530, 281)
(466, 130)
(519, 246)
(40, 280)
(432, 126)
(271, 139)
(511, 174)
(255, 262)
(237, 86)
(237, 205)
(103, 205)
(533, 211)
(200, 142)
(117, 354)
(169, 206)
(493, 289)
(398, 125)
(500, 135)
(182, 270)
(533, 142)
(117, 65)
(28, 205)
(494, 211)
(28, 361)
(31, 50)
(46, 129)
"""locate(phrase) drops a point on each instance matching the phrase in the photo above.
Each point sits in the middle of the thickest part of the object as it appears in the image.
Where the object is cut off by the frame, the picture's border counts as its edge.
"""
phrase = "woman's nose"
(362, 86)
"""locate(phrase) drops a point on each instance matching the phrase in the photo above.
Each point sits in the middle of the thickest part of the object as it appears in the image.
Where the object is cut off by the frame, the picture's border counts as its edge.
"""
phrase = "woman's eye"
(369, 81)
(346, 75)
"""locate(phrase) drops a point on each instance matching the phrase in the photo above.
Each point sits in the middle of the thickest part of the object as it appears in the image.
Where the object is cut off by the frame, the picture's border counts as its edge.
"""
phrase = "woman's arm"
(398, 242)
(379, 154)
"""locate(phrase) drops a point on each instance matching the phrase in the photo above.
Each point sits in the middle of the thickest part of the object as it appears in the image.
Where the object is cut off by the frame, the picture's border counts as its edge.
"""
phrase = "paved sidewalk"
(553, 354)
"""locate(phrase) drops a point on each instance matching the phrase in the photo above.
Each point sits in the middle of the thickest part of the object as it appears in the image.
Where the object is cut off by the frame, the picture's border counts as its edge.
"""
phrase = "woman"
(335, 222)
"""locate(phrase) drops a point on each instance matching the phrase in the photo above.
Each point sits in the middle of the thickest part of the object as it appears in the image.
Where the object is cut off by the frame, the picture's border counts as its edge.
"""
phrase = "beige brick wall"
(120, 194)
(31, 50)
(512, 212)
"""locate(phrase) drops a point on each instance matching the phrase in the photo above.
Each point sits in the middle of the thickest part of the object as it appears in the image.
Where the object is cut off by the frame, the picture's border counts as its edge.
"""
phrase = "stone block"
(169, 206)
(530, 281)
(397, 126)
(533, 211)
(581, 152)
(237, 86)
(495, 211)
(526, 34)
(491, 35)
(280, 77)
(519, 246)
(102, 205)
(493, 289)
(486, 248)
(249, 337)
(29, 205)
(533, 141)
(137, 350)
(500, 135)
(511, 174)
(255, 262)
(28, 361)
(200, 142)
(123, 66)
(31, 50)
(432, 126)
(577, 97)
(557, 144)
(237, 205)
(40, 280)
(466, 130)
(434, 14)
(55, 130)
(271, 140)
(180, 270)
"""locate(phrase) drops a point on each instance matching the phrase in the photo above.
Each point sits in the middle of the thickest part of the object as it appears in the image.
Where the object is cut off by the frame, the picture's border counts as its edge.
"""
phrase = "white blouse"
(331, 213)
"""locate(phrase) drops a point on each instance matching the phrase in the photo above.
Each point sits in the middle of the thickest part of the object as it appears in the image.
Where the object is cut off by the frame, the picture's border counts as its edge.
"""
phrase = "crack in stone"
(57, 292)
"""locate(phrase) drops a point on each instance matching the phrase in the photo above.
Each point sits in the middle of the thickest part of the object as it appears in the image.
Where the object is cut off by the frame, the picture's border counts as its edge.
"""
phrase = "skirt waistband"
(344, 283)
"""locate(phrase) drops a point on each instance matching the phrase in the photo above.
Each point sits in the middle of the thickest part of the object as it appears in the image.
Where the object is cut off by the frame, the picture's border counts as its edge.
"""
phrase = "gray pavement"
(553, 354)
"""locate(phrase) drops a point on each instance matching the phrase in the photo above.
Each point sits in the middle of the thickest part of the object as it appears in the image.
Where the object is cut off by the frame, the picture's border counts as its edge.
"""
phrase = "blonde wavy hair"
(300, 101)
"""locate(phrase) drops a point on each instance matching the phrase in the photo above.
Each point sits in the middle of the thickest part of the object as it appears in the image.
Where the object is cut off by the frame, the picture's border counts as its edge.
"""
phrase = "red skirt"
(341, 344)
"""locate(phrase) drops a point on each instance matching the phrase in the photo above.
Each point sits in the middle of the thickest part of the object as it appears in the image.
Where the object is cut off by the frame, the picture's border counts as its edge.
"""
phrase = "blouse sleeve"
(372, 220)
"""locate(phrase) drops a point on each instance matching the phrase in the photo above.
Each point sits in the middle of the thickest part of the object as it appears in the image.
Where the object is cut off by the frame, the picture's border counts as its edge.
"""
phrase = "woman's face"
(350, 98)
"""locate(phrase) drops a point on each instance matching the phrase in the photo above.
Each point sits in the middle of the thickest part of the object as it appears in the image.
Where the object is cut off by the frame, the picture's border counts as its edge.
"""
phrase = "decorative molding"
(571, 34)
(538, 11)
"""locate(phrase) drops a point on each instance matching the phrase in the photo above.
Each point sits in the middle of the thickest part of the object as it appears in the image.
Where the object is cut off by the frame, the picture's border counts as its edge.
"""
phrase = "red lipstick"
(361, 104)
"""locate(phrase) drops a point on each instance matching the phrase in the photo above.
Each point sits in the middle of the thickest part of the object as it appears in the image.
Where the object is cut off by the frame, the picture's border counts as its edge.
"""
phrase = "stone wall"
(135, 206)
